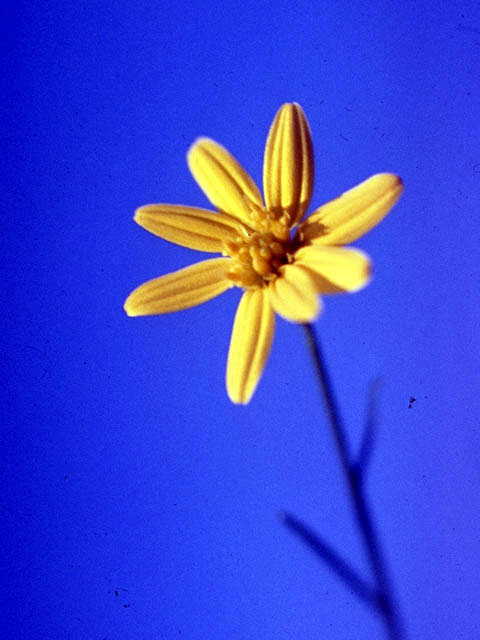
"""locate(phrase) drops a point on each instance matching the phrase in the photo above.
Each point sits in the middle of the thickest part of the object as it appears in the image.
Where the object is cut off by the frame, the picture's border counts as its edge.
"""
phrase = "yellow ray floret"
(189, 227)
(288, 163)
(280, 270)
(223, 180)
(355, 212)
(179, 290)
(249, 345)
(293, 295)
(338, 269)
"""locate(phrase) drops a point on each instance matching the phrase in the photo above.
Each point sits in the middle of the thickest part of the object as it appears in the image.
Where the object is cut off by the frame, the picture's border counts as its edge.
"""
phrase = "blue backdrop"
(137, 501)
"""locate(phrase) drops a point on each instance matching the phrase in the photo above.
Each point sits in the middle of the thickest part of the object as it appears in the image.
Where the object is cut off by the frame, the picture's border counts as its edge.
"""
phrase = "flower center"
(257, 255)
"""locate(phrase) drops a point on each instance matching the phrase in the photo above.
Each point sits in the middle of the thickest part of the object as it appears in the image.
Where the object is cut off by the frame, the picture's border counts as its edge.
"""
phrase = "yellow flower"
(279, 271)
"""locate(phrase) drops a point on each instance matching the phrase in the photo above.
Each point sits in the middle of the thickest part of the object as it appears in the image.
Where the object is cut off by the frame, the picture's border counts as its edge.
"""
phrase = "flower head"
(280, 262)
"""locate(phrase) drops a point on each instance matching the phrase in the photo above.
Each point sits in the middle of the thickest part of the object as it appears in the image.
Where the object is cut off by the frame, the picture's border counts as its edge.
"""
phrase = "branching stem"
(353, 475)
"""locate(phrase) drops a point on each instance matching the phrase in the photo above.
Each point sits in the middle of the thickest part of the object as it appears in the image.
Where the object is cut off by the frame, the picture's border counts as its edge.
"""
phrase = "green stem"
(353, 476)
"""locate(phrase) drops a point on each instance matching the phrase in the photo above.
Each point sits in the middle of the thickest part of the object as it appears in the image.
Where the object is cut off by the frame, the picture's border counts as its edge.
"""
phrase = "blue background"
(137, 501)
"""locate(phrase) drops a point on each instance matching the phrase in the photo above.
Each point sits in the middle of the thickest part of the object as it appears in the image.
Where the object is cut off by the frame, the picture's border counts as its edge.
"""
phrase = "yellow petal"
(355, 212)
(335, 269)
(288, 163)
(250, 345)
(223, 180)
(190, 227)
(293, 295)
(181, 289)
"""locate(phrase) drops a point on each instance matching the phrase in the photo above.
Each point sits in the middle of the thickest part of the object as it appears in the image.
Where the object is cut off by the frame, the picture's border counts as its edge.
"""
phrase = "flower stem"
(353, 475)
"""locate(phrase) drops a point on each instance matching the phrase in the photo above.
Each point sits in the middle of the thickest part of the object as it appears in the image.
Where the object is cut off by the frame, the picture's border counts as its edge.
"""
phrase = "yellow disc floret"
(257, 255)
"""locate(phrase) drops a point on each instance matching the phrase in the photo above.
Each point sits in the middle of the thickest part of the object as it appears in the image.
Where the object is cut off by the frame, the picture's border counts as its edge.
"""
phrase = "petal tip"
(308, 319)
(239, 400)
(137, 216)
(127, 307)
(291, 106)
(396, 186)
(198, 142)
(237, 393)
(395, 180)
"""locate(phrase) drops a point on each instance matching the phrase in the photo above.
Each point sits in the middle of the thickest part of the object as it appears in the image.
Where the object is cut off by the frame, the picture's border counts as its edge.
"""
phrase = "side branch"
(338, 565)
